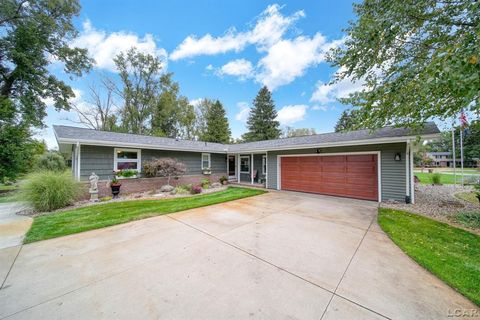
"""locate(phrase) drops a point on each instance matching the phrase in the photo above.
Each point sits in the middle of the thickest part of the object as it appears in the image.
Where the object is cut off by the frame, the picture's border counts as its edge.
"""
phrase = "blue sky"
(223, 50)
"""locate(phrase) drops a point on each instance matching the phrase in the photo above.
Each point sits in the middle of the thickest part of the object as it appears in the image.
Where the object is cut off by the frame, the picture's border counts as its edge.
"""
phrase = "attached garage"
(353, 175)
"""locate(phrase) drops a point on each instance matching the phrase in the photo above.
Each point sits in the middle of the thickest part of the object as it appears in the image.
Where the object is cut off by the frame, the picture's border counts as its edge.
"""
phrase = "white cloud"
(195, 102)
(288, 59)
(322, 108)
(209, 67)
(242, 115)
(291, 114)
(270, 26)
(240, 68)
(325, 92)
(104, 47)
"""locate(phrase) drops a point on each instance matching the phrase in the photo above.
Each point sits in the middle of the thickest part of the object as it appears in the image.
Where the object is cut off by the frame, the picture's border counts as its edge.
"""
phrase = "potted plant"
(115, 185)
(223, 180)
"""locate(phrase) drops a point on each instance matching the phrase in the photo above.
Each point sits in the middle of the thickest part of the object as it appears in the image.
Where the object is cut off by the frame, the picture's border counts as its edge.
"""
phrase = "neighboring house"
(441, 159)
(358, 164)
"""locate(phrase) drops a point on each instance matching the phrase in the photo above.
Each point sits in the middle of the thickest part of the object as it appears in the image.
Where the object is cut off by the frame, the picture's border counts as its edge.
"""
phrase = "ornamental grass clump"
(50, 190)
(436, 177)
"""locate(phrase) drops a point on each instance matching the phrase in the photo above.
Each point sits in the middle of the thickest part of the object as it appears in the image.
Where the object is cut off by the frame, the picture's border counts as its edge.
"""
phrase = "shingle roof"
(67, 134)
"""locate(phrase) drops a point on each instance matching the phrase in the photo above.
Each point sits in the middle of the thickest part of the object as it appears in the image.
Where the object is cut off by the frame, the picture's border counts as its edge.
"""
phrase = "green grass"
(109, 214)
(4, 188)
(10, 197)
(468, 219)
(426, 178)
(468, 196)
(452, 254)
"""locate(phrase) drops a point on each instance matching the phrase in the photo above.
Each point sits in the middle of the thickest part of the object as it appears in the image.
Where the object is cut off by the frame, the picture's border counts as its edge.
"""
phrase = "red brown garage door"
(353, 176)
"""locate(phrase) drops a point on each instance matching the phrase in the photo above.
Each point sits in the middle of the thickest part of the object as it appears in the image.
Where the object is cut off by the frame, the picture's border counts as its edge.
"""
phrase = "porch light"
(398, 157)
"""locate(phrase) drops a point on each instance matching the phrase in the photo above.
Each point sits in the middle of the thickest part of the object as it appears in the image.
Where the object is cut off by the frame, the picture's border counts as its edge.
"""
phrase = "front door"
(231, 166)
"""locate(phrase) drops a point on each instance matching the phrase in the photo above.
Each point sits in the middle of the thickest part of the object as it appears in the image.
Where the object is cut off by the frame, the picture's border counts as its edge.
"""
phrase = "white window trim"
(264, 164)
(244, 157)
(209, 161)
(138, 160)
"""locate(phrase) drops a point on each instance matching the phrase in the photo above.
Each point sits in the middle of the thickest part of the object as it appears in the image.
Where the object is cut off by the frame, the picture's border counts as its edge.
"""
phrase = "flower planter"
(115, 190)
(207, 172)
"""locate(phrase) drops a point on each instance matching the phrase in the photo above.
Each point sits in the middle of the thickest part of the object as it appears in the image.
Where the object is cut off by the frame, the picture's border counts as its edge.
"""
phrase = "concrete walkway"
(276, 256)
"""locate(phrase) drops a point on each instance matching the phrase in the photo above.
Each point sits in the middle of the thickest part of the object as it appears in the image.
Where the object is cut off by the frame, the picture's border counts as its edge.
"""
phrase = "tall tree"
(140, 75)
(261, 121)
(218, 129)
(419, 59)
(201, 111)
(289, 132)
(33, 34)
(348, 120)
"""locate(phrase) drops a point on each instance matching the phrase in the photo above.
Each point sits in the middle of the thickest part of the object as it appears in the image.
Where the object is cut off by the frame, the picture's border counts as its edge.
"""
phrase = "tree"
(165, 167)
(50, 161)
(347, 121)
(140, 75)
(261, 121)
(35, 33)
(418, 59)
(201, 111)
(298, 132)
(99, 112)
(218, 129)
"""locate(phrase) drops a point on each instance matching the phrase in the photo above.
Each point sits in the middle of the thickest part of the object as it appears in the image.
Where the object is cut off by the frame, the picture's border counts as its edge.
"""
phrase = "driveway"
(276, 256)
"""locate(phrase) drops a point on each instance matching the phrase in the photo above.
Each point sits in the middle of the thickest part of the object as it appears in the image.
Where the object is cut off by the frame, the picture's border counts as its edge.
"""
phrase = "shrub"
(50, 161)
(164, 167)
(196, 189)
(107, 198)
(205, 183)
(469, 219)
(436, 177)
(222, 179)
(183, 189)
(50, 190)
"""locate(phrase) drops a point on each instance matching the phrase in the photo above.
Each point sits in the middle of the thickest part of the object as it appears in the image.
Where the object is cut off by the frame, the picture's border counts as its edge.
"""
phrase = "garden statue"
(93, 187)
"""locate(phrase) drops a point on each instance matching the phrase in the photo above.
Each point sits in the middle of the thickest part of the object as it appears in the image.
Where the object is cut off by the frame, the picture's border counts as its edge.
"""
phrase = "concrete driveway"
(276, 256)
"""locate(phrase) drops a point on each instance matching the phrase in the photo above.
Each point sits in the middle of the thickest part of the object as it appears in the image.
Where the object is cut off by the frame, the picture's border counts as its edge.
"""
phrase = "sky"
(224, 50)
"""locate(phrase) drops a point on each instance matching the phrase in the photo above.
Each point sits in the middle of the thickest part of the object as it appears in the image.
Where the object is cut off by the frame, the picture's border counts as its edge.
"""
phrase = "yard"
(450, 253)
(109, 214)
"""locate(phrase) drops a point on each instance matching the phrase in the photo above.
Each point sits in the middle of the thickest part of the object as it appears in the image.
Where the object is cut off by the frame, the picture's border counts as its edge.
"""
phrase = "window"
(245, 164)
(127, 159)
(264, 164)
(206, 161)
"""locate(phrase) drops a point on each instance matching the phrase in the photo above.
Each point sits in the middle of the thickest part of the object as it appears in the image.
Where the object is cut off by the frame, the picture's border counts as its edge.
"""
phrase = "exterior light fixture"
(318, 151)
(398, 157)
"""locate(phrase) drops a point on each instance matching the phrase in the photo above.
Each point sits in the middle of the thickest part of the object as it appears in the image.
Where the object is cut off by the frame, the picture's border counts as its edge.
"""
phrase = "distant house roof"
(69, 135)
(440, 153)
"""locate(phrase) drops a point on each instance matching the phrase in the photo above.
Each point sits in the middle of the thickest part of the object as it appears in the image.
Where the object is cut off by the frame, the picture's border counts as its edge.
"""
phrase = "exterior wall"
(393, 173)
(100, 159)
(144, 185)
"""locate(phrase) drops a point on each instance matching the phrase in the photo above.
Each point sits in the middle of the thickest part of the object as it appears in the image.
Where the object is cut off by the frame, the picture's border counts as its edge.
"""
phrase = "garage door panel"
(352, 176)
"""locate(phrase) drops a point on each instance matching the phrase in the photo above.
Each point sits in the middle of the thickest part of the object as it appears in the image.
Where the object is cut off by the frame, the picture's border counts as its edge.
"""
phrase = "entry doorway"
(232, 167)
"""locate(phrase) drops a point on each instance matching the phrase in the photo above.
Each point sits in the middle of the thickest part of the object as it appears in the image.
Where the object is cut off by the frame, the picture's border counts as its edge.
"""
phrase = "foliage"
(217, 129)
(347, 121)
(127, 173)
(450, 253)
(34, 34)
(427, 178)
(468, 196)
(201, 111)
(50, 190)
(468, 219)
(196, 189)
(222, 179)
(436, 178)
(165, 167)
(205, 183)
(476, 186)
(261, 123)
(112, 213)
(17, 149)
(107, 198)
(289, 132)
(50, 161)
(417, 59)
(183, 189)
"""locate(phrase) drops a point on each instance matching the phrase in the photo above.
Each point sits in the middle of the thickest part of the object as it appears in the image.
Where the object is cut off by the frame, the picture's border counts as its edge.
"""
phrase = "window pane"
(204, 164)
(245, 164)
(127, 165)
(127, 155)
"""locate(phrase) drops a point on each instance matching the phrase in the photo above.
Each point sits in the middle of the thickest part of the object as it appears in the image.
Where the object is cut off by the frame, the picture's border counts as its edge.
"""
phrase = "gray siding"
(393, 172)
(100, 159)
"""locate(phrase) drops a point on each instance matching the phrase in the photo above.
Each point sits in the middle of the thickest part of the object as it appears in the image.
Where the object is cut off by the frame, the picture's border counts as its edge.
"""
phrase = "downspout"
(78, 161)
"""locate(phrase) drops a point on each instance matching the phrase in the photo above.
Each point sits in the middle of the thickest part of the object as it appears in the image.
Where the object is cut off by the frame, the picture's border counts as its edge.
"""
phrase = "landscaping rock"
(216, 185)
(166, 188)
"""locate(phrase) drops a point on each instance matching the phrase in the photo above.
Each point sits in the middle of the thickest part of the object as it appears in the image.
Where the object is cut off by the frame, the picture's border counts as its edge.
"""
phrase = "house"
(359, 164)
(441, 159)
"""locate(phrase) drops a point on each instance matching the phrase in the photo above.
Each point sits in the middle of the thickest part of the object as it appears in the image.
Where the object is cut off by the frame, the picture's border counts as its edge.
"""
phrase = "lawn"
(426, 178)
(452, 254)
(109, 214)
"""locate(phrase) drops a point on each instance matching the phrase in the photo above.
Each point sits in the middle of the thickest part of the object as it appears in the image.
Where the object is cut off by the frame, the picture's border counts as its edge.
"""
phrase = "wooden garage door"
(353, 176)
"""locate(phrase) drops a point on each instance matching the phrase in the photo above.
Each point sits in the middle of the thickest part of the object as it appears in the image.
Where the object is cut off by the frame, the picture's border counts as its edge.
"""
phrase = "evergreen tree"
(261, 122)
(347, 121)
(217, 125)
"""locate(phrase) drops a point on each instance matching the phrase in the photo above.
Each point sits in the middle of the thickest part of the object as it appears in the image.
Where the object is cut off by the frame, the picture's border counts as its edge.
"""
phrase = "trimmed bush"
(436, 177)
(196, 189)
(50, 190)
(50, 161)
